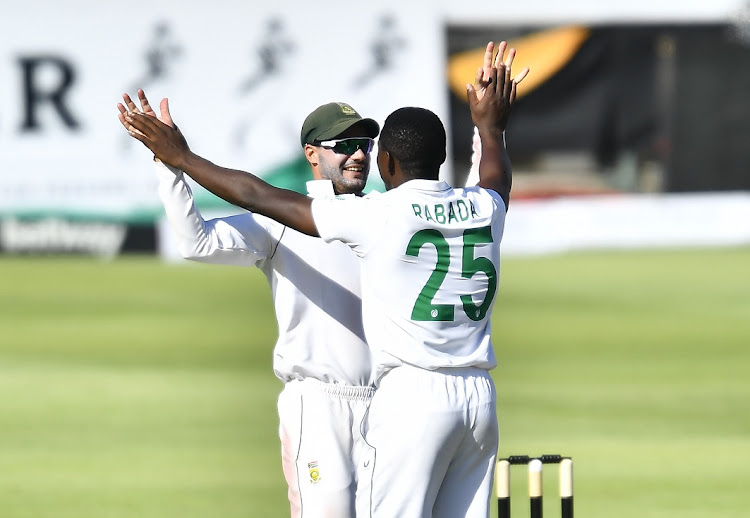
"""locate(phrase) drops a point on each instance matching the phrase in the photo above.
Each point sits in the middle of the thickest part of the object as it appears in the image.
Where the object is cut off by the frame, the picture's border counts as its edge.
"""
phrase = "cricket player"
(429, 258)
(320, 355)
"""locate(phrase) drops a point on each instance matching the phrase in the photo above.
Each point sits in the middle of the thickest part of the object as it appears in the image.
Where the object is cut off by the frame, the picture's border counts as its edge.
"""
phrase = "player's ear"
(391, 164)
(311, 154)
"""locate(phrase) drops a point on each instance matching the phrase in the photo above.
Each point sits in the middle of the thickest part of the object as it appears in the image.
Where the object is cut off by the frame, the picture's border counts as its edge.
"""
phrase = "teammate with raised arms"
(320, 354)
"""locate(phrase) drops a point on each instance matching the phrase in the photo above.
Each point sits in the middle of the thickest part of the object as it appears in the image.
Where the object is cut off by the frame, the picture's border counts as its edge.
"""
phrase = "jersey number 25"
(424, 309)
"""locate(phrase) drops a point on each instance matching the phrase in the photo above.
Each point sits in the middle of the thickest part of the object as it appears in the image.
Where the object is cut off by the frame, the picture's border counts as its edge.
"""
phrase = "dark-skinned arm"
(476, 157)
(490, 116)
(495, 170)
(494, 78)
(237, 187)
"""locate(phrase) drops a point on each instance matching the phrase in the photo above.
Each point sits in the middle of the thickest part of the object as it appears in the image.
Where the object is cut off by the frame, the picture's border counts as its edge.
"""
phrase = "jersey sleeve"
(476, 156)
(243, 239)
(351, 221)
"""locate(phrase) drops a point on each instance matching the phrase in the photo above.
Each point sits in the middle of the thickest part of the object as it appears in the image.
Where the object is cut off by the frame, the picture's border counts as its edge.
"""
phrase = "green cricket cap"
(330, 120)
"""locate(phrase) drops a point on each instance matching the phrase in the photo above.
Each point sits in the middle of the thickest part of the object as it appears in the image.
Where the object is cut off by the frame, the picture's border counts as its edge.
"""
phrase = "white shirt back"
(430, 266)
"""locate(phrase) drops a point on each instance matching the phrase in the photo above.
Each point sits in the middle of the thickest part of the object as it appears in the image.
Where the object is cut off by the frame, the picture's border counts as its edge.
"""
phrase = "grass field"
(134, 388)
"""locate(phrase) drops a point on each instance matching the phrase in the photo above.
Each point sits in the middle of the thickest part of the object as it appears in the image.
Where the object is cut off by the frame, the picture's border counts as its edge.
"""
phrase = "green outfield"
(133, 388)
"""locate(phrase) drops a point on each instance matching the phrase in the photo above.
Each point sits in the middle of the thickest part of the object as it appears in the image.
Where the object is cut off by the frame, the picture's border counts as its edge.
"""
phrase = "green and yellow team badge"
(314, 471)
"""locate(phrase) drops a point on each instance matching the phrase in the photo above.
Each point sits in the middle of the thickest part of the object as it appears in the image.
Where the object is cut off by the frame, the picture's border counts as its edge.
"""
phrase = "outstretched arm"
(238, 187)
(238, 240)
(490, 100)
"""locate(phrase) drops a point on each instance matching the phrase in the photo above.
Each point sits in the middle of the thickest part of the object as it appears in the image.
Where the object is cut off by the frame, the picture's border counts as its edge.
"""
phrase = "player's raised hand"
(489, 109)
(146, 109)
(493, 95)
(166, 142)
(481, 79)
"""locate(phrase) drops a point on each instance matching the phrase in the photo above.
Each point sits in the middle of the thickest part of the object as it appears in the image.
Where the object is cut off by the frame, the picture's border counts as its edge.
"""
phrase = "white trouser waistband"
(338, 390)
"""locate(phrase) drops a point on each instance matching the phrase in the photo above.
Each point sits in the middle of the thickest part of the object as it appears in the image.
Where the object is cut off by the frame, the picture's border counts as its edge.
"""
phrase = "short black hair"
(416, 138)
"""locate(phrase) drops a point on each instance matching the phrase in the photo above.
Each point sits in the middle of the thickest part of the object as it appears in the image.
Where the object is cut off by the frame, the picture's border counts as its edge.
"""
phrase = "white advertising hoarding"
(240, 79)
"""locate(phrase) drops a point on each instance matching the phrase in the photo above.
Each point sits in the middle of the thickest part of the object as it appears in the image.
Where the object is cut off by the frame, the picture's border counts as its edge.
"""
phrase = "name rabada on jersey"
(453, 211)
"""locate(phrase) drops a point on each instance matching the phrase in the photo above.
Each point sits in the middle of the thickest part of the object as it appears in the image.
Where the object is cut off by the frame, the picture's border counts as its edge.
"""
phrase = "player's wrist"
(491, 132)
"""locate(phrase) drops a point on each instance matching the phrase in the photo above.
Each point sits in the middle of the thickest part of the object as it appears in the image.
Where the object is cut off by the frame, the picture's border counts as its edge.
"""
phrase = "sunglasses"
(349, 146)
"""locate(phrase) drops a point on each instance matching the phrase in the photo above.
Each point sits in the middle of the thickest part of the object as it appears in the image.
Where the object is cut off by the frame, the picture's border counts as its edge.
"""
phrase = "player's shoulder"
(272, 227)
(351, 202)
(482, 192)
(372, 195)
(486, 201)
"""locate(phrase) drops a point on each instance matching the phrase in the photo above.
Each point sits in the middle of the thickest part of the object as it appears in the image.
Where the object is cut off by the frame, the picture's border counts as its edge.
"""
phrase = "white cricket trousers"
(435, 436)
(323, 452)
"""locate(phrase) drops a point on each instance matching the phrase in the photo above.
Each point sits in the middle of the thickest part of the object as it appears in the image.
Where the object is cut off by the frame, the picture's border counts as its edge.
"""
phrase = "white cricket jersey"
(430, 261)
(315, 285)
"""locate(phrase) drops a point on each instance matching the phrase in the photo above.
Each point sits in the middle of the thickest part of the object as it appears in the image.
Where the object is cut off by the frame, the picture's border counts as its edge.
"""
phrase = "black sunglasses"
(349, 146)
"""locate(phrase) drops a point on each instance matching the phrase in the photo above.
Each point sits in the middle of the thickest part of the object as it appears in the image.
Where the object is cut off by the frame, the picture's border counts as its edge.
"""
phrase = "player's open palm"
(166, 142)
(492, 111)
(130, 107)
(483, 73)
(491, 100)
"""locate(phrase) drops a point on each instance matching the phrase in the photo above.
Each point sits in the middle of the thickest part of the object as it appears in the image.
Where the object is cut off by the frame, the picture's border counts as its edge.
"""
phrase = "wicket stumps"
(535, 483)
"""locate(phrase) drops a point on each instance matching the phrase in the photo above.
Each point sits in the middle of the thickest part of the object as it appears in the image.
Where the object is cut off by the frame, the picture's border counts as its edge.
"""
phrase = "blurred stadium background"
(133, 384)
